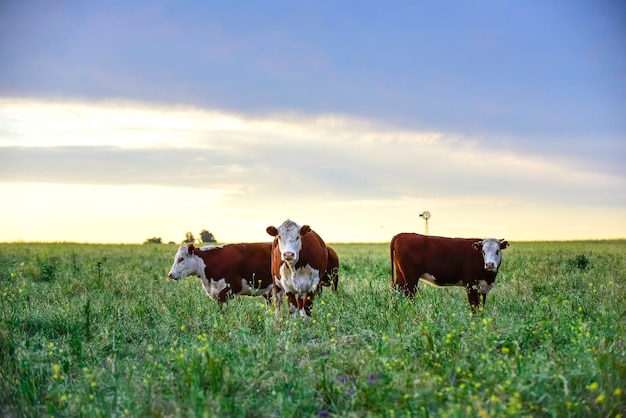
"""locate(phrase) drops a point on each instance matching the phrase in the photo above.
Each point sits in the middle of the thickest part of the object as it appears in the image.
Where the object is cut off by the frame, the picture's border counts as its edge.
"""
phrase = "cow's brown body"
(442, 262)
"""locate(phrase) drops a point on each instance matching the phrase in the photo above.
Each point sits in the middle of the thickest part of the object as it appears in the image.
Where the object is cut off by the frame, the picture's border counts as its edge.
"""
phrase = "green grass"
(98, 330)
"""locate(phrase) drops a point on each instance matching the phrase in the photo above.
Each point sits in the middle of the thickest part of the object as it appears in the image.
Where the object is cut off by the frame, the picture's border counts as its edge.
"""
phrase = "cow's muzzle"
(171, 276)
(491, 266)
(289, 256)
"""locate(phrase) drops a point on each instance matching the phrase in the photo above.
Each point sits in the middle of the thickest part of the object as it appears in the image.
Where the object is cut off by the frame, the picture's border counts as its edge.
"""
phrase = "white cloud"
(30, 123)
(143, 170)
(131, 143)
(34, 123)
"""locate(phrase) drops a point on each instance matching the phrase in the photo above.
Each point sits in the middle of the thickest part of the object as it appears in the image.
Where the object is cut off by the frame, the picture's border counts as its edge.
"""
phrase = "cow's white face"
(186, 263)
(289, 236)
(492, 252)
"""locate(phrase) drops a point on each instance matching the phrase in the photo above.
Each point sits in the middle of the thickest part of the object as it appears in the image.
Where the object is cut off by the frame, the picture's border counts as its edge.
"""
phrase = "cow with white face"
(440, 261)
(299, 259)
(227, 270)
(490, 249)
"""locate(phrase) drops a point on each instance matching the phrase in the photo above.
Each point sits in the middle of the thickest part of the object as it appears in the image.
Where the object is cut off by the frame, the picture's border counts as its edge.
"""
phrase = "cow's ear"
(272, 231)
(503, 244)
(305, 230)
(190, 249)
(478, 245)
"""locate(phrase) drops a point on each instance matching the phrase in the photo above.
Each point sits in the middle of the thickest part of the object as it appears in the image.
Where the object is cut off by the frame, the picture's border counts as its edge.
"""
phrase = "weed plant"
(98, 330)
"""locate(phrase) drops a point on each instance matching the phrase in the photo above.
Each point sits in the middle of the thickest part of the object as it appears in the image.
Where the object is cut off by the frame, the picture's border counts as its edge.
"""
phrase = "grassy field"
(98, 330)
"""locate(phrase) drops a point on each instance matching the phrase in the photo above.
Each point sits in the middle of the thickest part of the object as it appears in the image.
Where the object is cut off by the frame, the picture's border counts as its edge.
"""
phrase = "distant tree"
(153, 240)
(206, 236)
(189, 238)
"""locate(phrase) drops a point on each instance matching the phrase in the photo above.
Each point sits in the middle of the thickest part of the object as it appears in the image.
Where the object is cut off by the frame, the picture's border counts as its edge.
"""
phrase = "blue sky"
(501, 108)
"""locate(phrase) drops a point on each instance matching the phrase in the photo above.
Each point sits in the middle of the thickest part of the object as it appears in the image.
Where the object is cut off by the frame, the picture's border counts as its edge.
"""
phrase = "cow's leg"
(410, 288)
(484, 298)
(399, 276)
(473, 298)
(221, 298)
(399, 281)
(293, 302)
(308, 303)
(301, 301)
(334, 279)
(320, 288)
(304, 304)
(276, 295)
(407, 280)
(223, 295)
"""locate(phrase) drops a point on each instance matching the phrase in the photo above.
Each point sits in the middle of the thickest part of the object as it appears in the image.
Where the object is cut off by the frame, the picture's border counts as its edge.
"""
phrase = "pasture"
(99, 330)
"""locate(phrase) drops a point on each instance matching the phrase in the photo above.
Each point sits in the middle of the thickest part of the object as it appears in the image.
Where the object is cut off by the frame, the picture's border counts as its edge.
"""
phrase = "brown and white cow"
(299, 260)
(227, 270)
(469, 262)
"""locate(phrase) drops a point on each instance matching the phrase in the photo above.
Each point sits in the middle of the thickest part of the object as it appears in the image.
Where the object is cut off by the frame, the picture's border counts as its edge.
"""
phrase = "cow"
(469, 262)
(331, 274)
(227, 270)
(299, 260)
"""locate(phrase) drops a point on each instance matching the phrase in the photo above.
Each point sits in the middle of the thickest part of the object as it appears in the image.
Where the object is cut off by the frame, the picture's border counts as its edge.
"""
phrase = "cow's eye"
(180, 260)
(498, 252)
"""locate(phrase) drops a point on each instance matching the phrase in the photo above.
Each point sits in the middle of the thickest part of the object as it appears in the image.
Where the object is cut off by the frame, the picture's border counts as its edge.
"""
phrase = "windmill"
(426, 216)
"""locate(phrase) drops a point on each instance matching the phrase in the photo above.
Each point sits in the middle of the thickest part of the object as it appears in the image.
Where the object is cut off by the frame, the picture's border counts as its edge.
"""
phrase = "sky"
(121, 121)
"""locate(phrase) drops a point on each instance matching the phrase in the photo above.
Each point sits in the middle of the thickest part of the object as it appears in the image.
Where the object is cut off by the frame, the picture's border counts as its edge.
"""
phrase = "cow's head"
(491, 249)
(186, 263)
(289, 236)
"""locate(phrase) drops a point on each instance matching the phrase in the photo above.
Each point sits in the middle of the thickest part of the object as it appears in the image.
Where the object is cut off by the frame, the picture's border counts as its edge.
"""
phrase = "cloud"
(130, 125)
(122, 143)
(140, 170)
(341, 170)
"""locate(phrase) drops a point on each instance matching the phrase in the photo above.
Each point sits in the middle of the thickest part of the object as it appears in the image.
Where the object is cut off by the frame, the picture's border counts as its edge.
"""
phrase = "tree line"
(205, 237)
